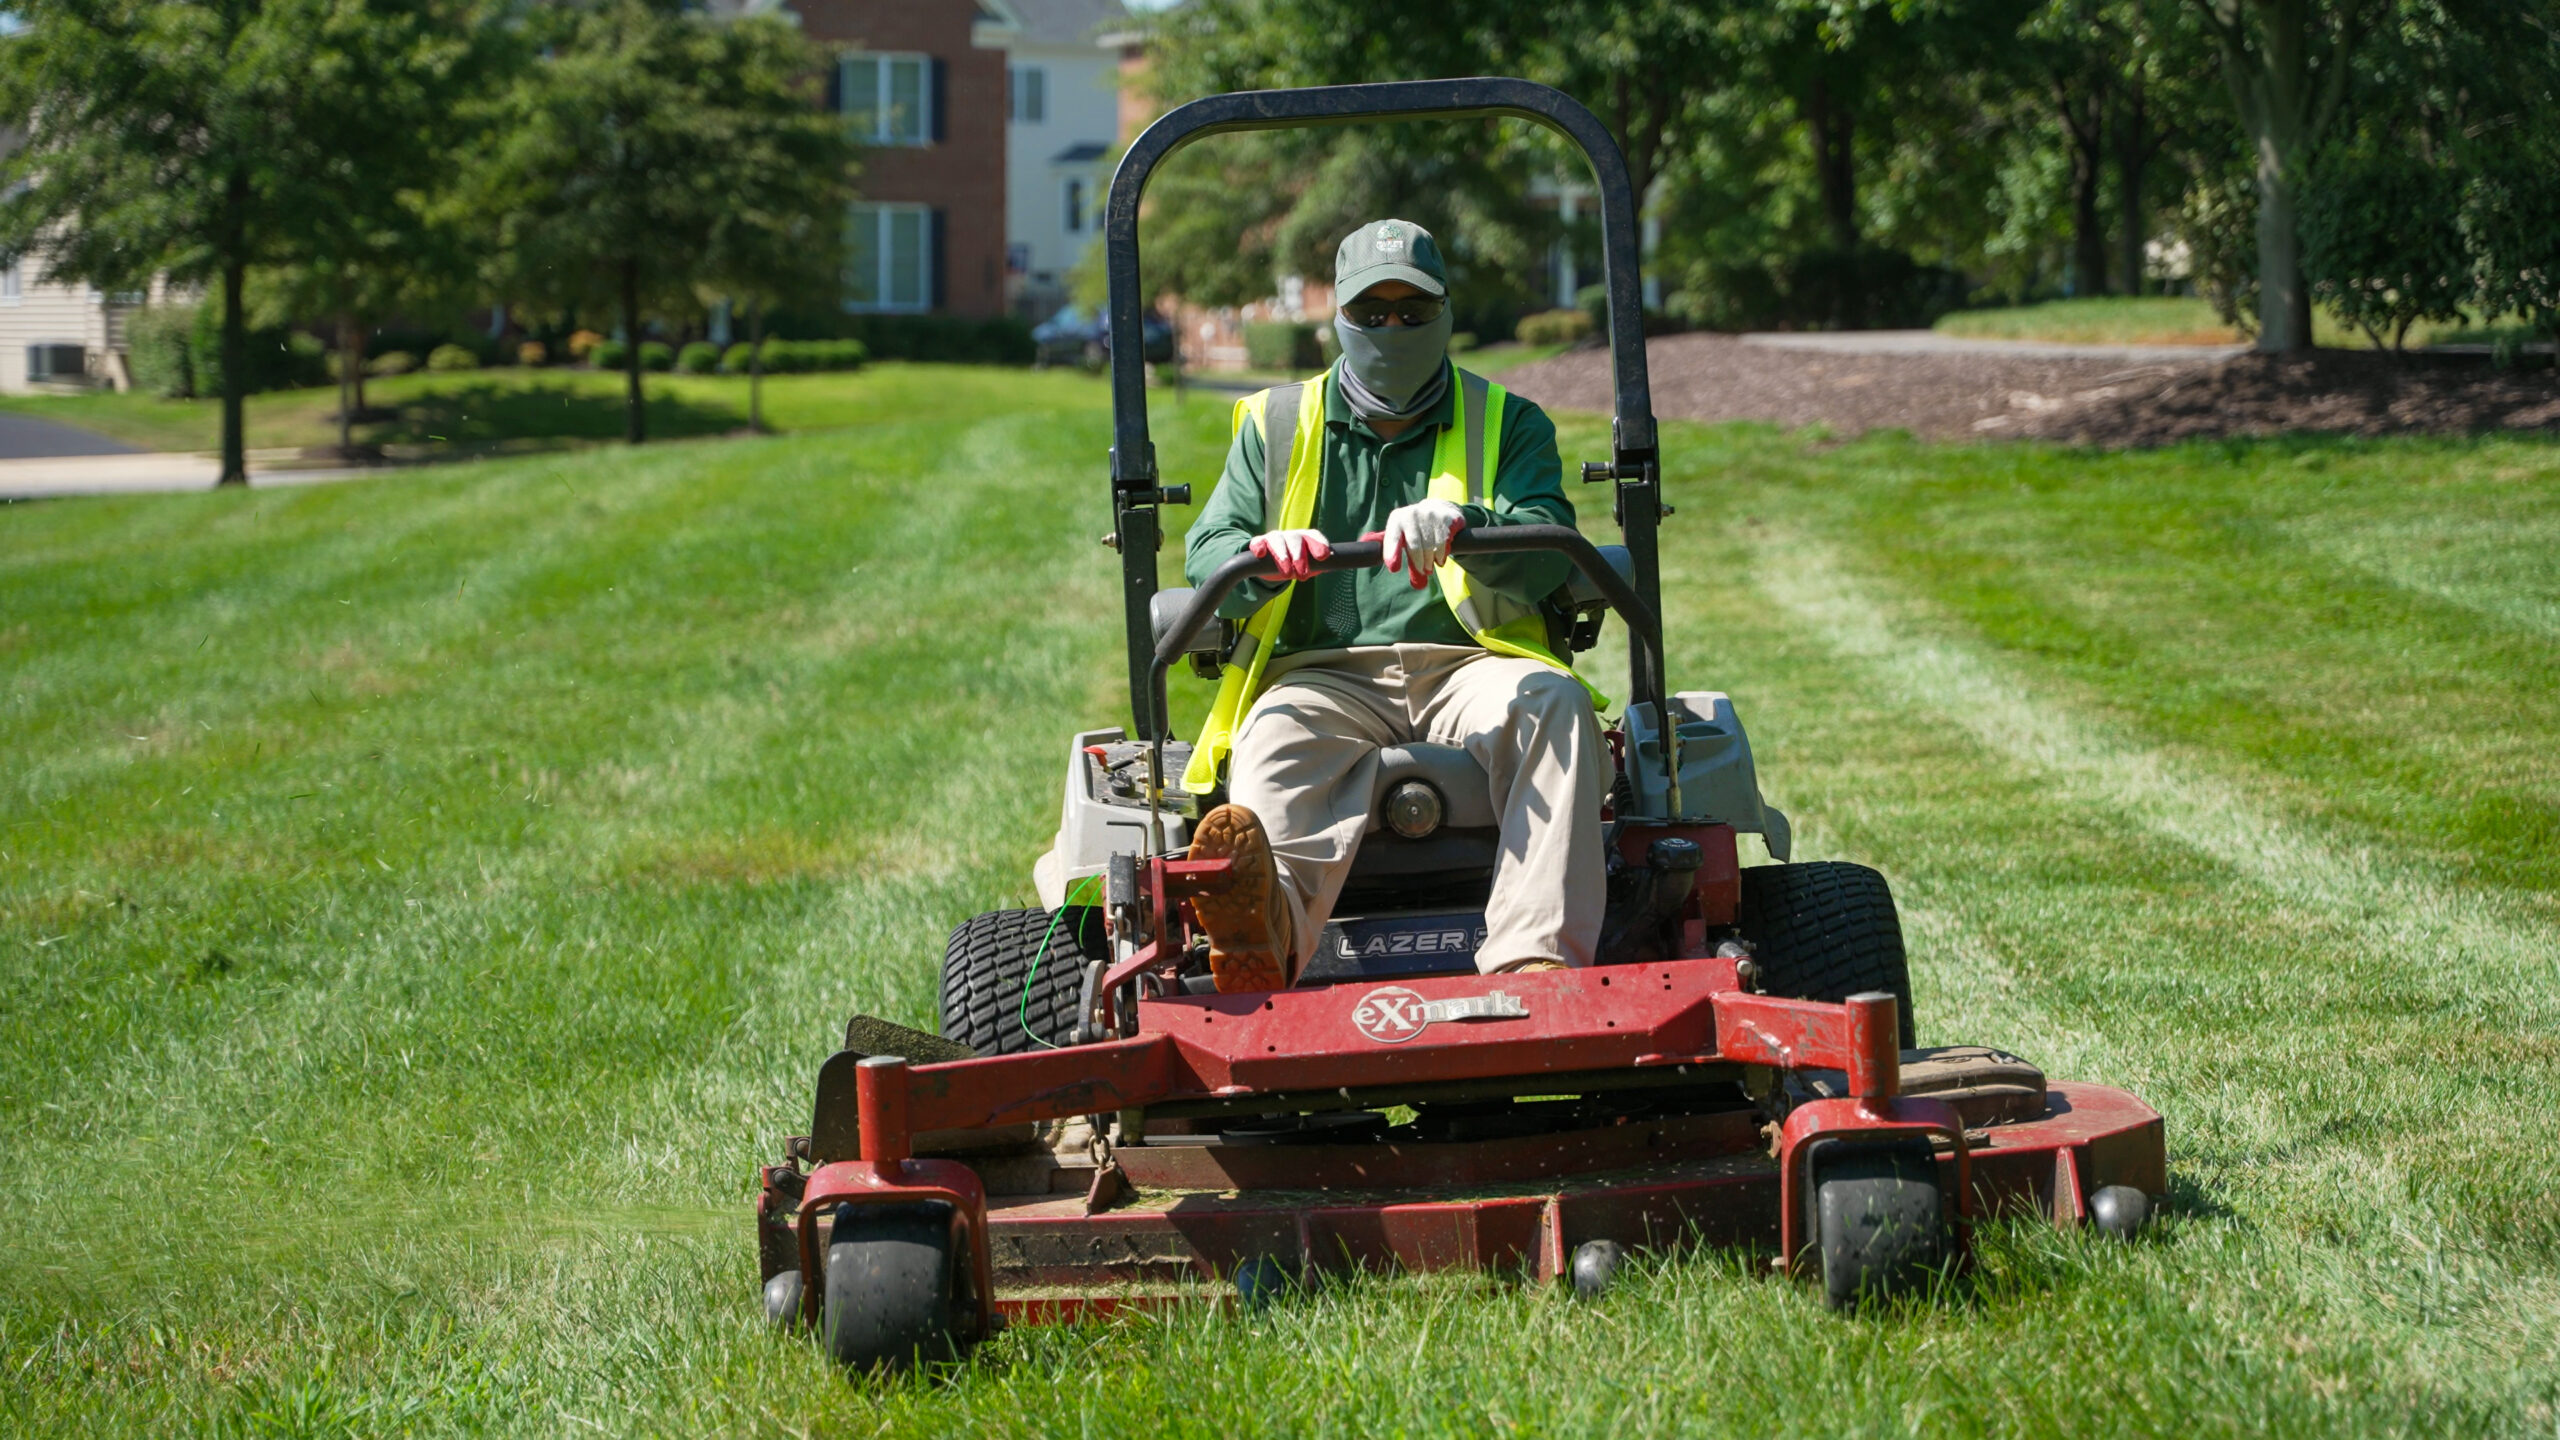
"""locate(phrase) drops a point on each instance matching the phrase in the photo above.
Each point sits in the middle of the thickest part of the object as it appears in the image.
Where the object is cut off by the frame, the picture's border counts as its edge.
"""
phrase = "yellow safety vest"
(1291, 419)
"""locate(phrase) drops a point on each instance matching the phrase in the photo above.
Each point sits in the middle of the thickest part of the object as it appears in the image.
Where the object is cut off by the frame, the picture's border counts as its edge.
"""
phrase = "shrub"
(1460, 342)
(951, 339)
(452, 357)
(1730, 296)
(1869, 288)
(2511, 223)
(2382, 242)
(2218, 220)
(605, 354)
(1281, 345)
(391, 362)
(532, 352)
(176, 351)
(655, 355)
(1555, 327)
(698, 358)
(792, 357)
(582, 344)
(734, 360)
(156, 350)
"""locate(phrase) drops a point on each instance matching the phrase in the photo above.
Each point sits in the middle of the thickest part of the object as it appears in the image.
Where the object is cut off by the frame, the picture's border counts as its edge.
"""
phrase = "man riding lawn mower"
(1408, 921)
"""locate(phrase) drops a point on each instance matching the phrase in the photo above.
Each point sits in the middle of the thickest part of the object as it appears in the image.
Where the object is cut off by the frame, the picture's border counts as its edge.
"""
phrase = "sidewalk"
(138, 473)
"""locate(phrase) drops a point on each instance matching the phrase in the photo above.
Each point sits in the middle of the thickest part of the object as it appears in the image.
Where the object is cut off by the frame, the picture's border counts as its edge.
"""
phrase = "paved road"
(1930, 342)
(24, 437)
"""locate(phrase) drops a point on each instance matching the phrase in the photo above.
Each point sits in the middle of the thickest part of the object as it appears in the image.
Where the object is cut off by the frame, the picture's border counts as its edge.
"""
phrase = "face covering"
(1394, 372)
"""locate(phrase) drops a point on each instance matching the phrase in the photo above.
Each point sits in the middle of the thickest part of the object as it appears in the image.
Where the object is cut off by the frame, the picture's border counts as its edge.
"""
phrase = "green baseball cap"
(1388, 250)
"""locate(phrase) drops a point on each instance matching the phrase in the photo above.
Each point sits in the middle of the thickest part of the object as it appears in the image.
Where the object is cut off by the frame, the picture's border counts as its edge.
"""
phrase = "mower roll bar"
(1634, 464)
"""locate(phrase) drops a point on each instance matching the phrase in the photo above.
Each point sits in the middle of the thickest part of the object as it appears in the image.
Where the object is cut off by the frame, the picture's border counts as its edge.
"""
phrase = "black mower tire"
(1825, 930)
(1879, 1220)
(986, 966)
(899, 1288)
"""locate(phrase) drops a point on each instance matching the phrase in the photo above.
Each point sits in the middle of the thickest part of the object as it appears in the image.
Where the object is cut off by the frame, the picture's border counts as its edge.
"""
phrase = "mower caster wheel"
(2120, 1211)
(1879, 1220)
(900, 1287)
(1595, 1267)
(782, 1299)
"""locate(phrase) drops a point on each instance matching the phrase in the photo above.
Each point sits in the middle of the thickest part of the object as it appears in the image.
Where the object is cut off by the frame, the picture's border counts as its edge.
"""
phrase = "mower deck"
(1140, 1222)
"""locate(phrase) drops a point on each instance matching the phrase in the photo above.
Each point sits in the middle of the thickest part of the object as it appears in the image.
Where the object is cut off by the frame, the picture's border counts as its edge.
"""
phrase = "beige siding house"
(60, 337)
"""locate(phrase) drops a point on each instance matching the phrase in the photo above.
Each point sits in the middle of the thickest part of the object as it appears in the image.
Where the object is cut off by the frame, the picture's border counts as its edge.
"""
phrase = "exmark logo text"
(1392, 1014)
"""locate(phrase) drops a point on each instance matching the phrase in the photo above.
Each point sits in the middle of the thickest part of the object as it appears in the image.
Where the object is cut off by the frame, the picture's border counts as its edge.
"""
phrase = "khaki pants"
(1306, 760)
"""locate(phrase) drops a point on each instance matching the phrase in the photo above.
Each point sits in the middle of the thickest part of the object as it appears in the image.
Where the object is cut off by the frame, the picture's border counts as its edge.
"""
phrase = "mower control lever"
(1623, 597)
(1363, 554)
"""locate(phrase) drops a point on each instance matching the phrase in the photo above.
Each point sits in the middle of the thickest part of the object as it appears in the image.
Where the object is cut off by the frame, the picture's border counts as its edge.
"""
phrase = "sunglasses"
(1412, 310)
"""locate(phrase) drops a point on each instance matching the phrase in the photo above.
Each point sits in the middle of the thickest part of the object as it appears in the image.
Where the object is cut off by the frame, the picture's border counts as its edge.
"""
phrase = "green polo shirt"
(1365, 480)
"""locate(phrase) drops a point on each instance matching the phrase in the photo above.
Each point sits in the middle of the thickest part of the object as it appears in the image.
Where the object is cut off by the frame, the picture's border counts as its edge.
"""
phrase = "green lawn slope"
(423, 901)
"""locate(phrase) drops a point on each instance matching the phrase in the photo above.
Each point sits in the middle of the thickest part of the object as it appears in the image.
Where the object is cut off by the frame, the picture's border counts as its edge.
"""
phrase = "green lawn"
(424, 900)
(2187, 320)
(476, 411)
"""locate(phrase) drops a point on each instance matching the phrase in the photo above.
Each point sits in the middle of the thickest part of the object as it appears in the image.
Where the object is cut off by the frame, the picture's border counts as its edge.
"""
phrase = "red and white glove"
(1417, 537)
(1293, 553)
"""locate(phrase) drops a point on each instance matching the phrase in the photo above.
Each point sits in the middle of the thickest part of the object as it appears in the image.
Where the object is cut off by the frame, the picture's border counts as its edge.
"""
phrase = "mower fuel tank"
(1717, 781)
(1106, 811)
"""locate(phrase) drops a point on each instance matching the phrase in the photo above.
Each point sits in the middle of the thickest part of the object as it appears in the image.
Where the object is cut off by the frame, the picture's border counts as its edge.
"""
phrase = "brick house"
(923, 84)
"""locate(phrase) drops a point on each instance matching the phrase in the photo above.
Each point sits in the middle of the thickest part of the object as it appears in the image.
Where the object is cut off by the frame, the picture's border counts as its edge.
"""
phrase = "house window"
(1028, 87)
(56, 362)
(889, 258)
(888, 99)
(1075, 204)
(12, 284)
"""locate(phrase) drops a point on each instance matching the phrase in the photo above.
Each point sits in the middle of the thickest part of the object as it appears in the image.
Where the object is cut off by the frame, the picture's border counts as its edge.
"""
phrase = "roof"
(1082, 152)
(1066, 22)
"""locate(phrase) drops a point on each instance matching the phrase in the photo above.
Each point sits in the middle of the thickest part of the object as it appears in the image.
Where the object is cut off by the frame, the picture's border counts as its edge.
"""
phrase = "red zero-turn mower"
(1096, 1127)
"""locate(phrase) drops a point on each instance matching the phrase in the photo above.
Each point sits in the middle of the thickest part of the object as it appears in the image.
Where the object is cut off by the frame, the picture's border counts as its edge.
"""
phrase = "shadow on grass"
(489, 413)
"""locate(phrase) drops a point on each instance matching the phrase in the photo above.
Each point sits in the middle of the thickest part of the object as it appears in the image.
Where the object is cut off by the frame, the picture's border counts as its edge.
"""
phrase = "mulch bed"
(2081, 401)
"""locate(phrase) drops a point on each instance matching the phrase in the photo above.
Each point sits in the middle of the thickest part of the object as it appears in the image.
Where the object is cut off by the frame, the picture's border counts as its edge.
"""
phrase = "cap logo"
(1388, 239)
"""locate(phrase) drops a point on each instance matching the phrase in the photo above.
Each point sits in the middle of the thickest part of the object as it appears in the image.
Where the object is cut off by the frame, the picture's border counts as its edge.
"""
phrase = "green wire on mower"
(1022, 1012)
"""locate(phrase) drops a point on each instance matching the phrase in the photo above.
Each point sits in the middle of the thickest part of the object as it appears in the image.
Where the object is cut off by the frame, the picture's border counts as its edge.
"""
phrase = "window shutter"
(941, 292)
(835, 87)
(941, 78)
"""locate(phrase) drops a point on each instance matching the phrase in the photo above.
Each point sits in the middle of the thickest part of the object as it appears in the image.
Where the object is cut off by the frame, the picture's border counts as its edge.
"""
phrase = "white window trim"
(880, 62)
(1075, 204)
(924, 259)
(13, 284)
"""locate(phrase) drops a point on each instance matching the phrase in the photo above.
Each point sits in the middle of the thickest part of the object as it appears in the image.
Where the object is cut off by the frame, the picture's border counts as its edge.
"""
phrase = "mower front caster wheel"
(901, 1287)
(1879, 1220)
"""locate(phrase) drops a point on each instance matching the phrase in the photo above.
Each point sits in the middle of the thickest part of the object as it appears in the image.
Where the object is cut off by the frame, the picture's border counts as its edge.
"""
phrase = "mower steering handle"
(1362, 554)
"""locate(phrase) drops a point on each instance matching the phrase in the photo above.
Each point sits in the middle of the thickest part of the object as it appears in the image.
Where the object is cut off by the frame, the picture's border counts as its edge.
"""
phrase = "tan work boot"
(1247, 951)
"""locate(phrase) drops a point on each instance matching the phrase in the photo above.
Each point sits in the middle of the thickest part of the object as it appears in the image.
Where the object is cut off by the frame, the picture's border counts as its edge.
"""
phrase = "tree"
(618, 160)
(151, 147)
(2287, 63)
(363, 177)
(780, 239)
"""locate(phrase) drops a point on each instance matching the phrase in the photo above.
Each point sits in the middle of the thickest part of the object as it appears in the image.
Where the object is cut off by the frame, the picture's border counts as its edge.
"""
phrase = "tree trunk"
(235, 360)
(346, 385)
(635, 423)
(2267, 52)
(2088, 177)
(2134, 146)
(1833, 131)
(755, 367)
(2284, 302)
